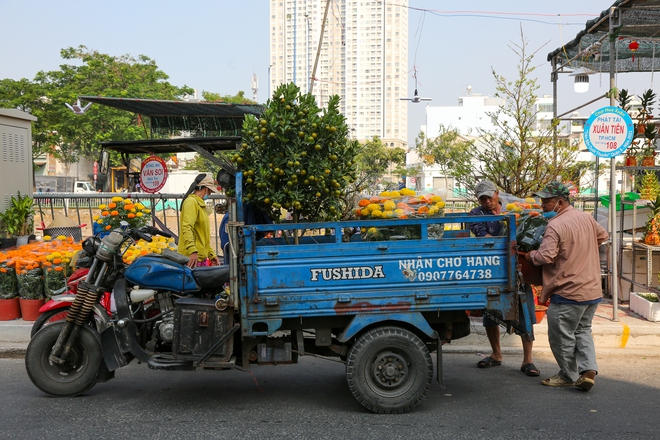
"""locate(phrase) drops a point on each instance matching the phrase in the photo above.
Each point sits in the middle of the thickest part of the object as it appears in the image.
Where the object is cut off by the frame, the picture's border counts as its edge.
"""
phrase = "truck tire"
(389, 370)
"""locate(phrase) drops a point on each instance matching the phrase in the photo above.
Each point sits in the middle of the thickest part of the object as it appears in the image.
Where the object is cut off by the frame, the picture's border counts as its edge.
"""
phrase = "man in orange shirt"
(572, 282)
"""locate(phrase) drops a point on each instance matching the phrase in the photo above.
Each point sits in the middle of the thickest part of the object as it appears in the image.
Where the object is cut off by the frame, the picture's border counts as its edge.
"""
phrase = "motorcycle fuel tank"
(160, 273)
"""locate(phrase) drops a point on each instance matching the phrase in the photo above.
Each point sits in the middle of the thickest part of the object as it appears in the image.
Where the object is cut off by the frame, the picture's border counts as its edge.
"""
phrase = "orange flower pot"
(540, 313)
(10, 309)
(30, 308)
(631, 161)
(648, 161)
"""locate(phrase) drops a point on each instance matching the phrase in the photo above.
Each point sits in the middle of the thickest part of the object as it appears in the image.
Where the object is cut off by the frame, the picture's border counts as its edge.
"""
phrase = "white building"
(363, 59)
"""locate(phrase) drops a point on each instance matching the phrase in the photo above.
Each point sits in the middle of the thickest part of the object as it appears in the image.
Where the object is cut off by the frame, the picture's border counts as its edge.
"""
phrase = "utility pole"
(318, 50)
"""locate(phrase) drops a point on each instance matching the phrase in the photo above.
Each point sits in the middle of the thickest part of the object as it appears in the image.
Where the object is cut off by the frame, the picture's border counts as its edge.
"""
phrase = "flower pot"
(540, 313)
(30, 308)
(531, 274)
(7, 242)
(645, 308)
(648, 161)
(631, 161)
(10, 309)
(22, 240)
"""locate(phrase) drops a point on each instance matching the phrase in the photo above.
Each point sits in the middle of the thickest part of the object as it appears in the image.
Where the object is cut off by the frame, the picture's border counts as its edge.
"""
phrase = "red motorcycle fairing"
(58, 302)
(64, 300)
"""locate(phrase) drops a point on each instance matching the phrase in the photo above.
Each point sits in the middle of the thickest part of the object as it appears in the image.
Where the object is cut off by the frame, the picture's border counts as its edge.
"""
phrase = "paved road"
(312, 400)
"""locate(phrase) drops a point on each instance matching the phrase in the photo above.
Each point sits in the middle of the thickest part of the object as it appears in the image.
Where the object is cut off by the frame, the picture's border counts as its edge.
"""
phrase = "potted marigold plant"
(118, 210)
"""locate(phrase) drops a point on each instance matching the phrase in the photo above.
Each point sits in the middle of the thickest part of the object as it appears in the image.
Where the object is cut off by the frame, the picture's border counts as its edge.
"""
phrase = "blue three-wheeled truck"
(382, 306)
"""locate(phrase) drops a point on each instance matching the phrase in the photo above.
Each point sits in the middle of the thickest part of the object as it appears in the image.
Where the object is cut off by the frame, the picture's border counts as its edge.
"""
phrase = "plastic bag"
(402, 204)
(530, 232)
(30, 284)
(54, 280)
(8, 284)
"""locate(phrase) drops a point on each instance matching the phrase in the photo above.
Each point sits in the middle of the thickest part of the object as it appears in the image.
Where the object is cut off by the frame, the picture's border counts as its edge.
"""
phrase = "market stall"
(624, 38)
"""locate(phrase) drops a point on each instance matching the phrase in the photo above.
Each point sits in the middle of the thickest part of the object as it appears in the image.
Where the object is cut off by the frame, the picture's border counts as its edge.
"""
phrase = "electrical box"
(15, 155)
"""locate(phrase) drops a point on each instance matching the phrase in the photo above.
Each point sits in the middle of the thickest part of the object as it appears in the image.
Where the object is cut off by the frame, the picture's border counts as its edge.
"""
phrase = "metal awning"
(172, 146)
(635, 20)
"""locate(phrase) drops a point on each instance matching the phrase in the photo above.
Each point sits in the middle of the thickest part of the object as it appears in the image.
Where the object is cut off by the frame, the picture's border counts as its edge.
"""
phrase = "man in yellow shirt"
(195, 231)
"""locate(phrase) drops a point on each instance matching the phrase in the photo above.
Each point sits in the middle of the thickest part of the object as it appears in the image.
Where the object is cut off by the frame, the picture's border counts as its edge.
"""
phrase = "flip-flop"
(556, 381)
(530, 370)
(488, 362)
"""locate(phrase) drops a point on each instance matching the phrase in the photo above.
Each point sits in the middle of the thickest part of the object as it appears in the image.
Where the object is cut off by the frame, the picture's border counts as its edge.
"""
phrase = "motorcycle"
(168, 315)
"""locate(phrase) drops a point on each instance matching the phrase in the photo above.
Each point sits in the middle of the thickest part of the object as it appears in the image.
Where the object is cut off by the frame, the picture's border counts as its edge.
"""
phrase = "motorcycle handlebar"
(146, 232)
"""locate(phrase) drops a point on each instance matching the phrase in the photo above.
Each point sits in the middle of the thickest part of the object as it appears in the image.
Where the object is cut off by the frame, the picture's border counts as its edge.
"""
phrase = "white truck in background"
(62, 184)
(81, 186)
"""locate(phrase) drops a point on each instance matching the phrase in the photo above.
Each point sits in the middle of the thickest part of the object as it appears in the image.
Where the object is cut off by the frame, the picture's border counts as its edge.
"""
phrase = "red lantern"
(633, 46)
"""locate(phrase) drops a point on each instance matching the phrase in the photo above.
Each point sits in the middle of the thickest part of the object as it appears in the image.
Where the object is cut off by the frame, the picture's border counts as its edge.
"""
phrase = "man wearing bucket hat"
(489, 204)
(572, 282)
(195, 232)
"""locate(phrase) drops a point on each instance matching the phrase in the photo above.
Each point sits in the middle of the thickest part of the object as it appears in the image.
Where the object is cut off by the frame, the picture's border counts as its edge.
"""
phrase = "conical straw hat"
(61, 221)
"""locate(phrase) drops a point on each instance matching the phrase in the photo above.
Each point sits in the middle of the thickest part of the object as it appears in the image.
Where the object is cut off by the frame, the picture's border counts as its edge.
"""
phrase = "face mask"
(206, 197)
(551, 213)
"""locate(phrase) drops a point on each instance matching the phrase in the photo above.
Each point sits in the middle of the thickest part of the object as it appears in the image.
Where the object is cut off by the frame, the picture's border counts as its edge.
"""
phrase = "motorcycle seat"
(211, 277)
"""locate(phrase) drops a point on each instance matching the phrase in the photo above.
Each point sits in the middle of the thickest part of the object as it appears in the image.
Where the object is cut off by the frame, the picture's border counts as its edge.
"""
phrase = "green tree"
(373, 160)
(239, 98)
(65, 134)
(297, 157)
(519, 157)
(449, 151)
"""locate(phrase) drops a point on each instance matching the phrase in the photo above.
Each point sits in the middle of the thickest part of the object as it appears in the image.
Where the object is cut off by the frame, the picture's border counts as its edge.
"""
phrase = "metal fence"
(165, 209)
(81, 208)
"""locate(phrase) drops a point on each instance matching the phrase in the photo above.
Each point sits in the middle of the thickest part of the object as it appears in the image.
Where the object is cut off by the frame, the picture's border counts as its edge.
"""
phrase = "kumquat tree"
(297, 157)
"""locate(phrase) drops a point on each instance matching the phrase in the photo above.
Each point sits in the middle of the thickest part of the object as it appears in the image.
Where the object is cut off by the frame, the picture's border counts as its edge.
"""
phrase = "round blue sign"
(609, 132)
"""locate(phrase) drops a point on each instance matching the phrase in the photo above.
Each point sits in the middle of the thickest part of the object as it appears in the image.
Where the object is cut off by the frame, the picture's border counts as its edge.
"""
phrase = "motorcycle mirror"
(103, 162)
(221, 207)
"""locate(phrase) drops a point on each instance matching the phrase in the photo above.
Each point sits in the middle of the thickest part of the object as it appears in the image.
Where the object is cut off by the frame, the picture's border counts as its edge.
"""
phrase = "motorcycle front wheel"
(48, 318)
(76, 375)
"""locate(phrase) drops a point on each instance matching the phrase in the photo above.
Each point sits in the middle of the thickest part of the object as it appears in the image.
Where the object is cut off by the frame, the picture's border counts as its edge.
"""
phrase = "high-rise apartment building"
(363, 59)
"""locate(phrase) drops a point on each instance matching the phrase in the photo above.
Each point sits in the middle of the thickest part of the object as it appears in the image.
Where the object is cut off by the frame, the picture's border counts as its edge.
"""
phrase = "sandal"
(584, 383)
(488, 362)
(530, 370)
(556, 381)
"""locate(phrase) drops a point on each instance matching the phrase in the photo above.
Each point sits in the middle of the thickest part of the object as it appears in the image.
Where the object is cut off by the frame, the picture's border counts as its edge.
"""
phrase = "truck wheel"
(389, 370)
(76, 375)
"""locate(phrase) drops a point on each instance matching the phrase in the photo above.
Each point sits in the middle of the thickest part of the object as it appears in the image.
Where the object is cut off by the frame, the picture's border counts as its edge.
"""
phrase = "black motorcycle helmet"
(226, 179)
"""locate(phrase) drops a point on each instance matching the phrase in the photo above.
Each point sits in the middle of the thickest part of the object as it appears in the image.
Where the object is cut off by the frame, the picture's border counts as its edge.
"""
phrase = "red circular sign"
(153, 174)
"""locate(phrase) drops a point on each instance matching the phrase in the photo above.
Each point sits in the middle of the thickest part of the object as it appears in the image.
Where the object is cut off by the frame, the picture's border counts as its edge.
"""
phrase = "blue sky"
(216, 45)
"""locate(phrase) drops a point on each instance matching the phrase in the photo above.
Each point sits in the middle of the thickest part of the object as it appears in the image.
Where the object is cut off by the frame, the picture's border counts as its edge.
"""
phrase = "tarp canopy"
(635, 20)
(198, 119)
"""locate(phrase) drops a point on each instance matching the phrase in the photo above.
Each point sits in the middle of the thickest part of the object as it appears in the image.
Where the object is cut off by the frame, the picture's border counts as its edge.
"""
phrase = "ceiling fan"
(416, 97)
